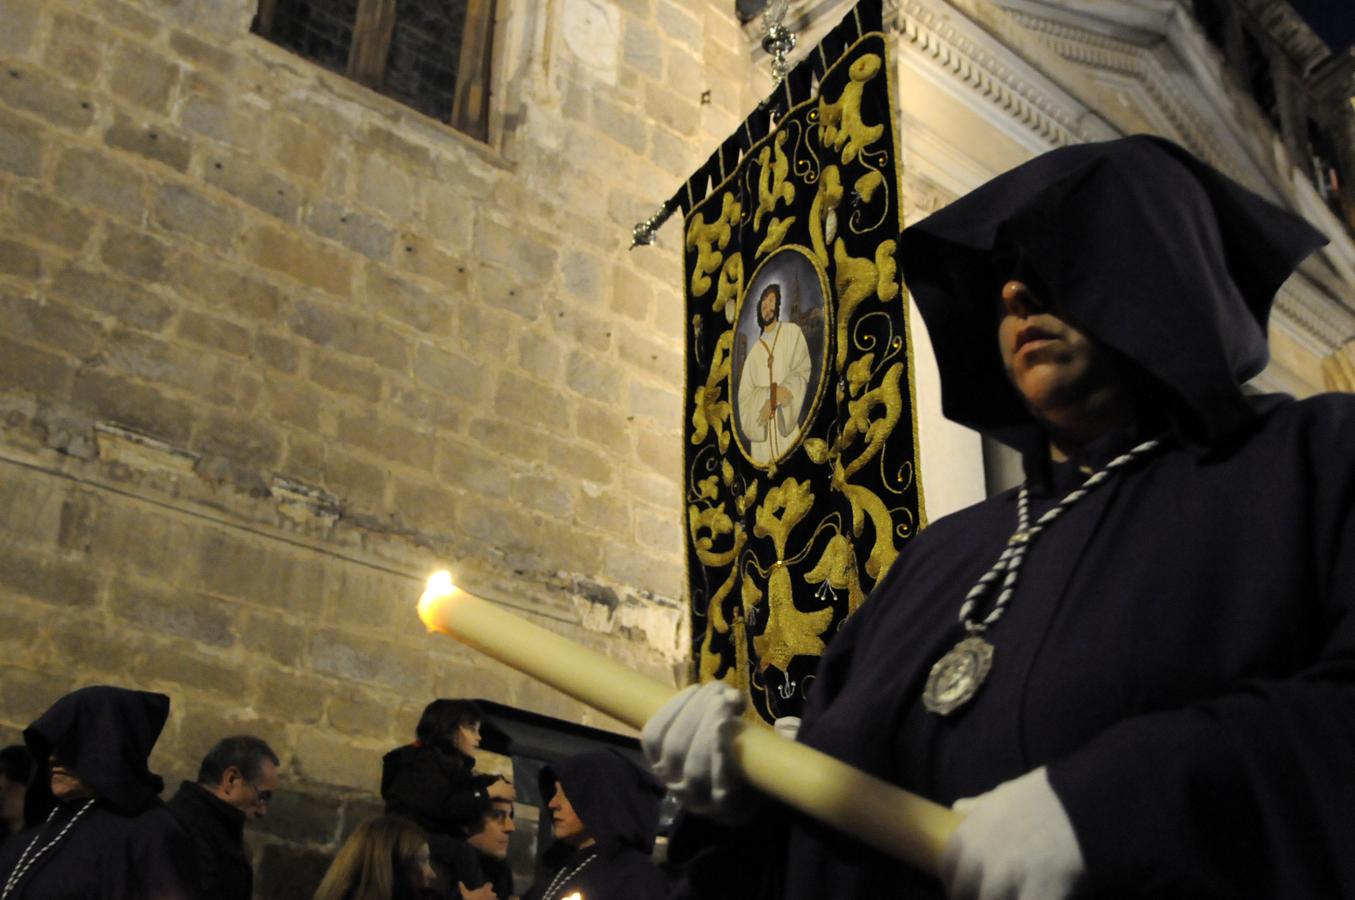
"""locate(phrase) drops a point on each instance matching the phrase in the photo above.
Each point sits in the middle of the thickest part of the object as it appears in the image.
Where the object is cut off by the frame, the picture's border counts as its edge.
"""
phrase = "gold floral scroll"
(801, 484)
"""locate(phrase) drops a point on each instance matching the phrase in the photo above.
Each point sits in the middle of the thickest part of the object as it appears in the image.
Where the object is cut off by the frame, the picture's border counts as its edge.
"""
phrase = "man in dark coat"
(605, 815)
(236, 780)
(103, 832)
(1148, 690)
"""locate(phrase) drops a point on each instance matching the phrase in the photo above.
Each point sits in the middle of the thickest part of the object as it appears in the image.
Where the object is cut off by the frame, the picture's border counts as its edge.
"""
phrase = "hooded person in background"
(605, 815)
(1141, 663)
(104, 834)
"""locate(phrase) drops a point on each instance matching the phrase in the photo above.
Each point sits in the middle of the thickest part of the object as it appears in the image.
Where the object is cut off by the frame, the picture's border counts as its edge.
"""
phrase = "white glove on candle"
(1015, 843)
(687, 745)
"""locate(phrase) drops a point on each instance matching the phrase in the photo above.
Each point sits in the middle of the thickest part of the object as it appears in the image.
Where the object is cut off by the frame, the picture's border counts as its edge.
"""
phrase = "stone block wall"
(273, 347)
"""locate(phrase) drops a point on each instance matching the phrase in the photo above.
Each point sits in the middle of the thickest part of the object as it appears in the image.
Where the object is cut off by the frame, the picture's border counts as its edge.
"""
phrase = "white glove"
(1015, 843)
(687, 743)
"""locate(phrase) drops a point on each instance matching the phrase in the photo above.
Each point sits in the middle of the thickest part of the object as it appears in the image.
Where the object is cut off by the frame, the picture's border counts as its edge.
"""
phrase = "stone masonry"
(273, 347)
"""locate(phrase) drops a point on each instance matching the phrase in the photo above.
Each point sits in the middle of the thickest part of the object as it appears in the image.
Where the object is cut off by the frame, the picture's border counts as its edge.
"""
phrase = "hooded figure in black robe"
(618, 804)
(1178, 654)
(118, 843)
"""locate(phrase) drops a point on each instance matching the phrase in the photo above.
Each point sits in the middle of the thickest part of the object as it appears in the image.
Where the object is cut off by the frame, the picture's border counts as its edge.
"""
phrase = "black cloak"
(619, 805)
(1180, 649)
(126, 846)
(217, 830)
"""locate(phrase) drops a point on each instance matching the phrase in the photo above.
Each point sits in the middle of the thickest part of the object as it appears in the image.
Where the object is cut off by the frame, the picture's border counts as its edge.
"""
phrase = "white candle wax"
(888, 818)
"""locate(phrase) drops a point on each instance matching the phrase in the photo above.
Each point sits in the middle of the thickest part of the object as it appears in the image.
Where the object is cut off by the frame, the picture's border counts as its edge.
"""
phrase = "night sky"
(1333, 20)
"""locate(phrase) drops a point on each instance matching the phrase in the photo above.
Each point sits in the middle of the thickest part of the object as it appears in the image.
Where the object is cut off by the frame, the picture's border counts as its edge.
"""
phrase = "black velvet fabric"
(127, 846)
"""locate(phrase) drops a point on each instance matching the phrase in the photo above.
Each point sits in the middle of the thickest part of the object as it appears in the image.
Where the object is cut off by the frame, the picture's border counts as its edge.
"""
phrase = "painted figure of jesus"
(774, 382)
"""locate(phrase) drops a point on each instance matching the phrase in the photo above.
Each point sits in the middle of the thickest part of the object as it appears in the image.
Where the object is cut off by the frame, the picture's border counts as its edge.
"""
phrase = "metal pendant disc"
(958, 675)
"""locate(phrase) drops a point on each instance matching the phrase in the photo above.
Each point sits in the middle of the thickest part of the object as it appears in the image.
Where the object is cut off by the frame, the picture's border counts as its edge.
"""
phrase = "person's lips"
(1032, 334)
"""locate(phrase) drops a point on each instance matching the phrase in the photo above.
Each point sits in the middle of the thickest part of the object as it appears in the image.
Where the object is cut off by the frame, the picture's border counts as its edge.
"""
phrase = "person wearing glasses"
(236, 780)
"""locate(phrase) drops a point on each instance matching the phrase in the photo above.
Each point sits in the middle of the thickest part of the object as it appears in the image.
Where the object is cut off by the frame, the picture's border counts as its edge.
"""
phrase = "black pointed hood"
(106, 735)
(617, 801)
(1141, 245)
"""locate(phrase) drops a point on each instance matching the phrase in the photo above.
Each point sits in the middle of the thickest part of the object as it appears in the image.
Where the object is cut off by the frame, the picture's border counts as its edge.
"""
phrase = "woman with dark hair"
(433, 782)
(16, 767)
(385, 858)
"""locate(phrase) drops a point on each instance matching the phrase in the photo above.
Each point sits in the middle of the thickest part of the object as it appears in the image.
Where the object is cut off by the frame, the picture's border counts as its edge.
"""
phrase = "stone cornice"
(997, 77)
(1313, 317)
(1148, 67)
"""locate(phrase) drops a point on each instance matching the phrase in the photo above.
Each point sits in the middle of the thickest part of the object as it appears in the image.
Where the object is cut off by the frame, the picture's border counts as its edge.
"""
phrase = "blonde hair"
(374, 863)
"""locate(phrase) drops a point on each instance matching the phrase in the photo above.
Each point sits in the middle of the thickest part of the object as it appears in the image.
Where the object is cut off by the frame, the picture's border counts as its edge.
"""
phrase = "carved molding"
(1147, 66)
(1310, 315)
(1338, 369)
(972, 60)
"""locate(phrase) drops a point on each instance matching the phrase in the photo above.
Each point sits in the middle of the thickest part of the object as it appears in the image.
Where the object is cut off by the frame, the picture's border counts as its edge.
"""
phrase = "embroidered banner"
(801, 480)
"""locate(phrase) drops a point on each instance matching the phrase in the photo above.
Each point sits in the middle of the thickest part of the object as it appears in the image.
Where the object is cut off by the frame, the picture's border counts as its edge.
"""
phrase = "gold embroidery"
(730, 289)
(824, 206)
(857, 279)
(764, 550)
(709, 411)
(772, 186)
(837, 567)
(840, 121)
(704, 238)
(776, 233)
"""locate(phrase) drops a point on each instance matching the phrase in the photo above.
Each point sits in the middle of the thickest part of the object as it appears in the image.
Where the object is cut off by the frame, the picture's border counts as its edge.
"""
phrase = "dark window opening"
(431, 55)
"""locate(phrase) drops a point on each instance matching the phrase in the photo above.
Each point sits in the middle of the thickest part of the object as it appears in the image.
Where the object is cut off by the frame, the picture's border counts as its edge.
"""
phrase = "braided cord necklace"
(957, 676)
(562, 877)
(29, 857)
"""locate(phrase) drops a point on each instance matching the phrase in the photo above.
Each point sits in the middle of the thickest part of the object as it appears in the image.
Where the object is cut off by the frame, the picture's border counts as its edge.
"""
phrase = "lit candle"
(886, 817)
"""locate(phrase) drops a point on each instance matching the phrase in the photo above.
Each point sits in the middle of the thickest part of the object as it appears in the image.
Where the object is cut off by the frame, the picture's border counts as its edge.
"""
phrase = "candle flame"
(439, 586)
(574, 896)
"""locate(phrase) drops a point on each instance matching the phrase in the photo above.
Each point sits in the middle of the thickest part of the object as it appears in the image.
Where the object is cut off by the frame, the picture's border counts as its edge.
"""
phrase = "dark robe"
(1180, 647)
(218, 833)
(619, 806)
(127, 846)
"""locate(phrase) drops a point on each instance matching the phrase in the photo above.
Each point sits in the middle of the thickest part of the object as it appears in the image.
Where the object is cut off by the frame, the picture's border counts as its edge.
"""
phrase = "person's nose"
(1019, 300)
